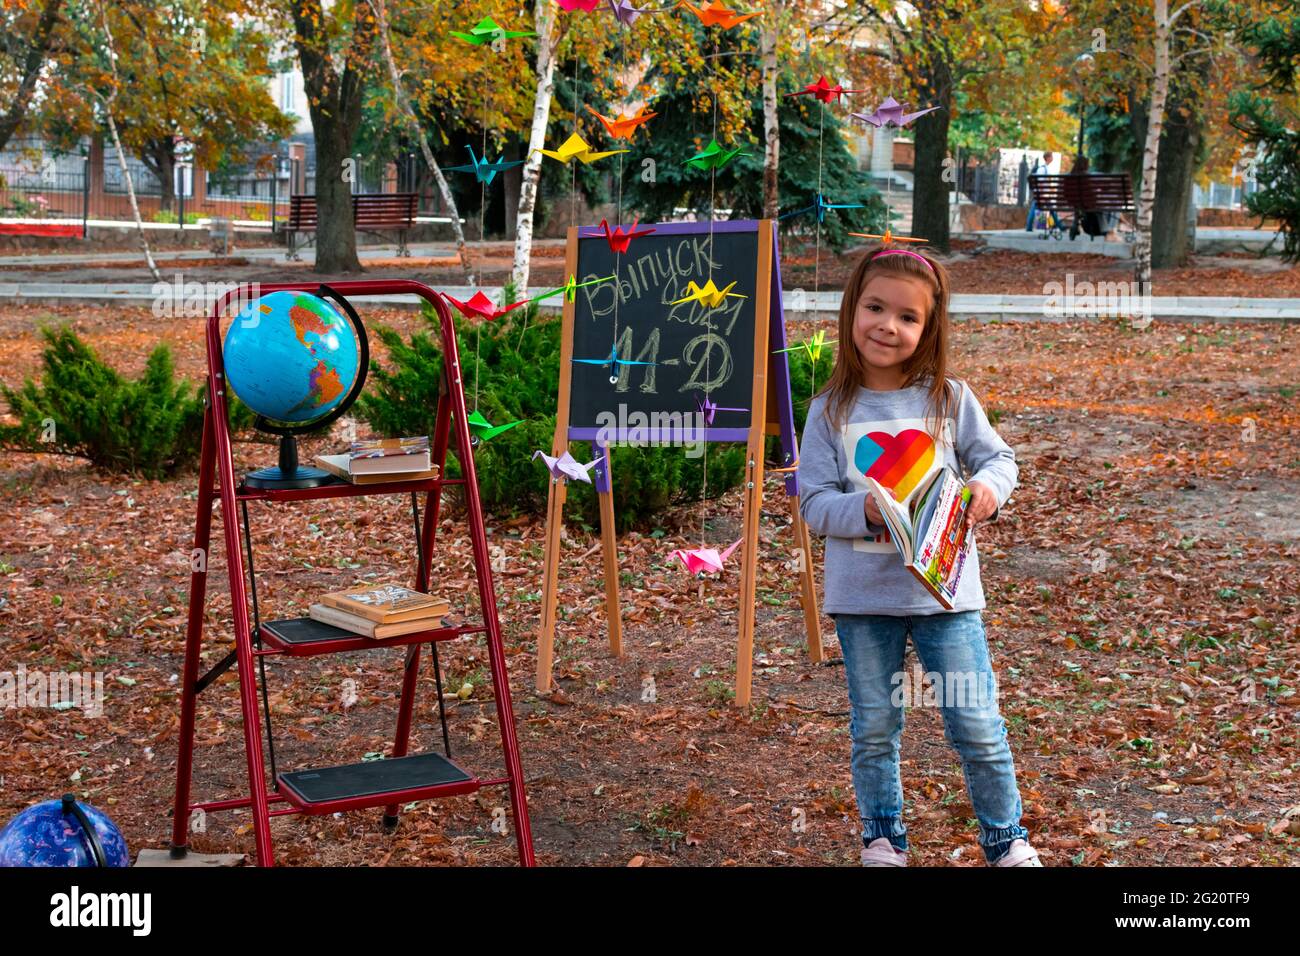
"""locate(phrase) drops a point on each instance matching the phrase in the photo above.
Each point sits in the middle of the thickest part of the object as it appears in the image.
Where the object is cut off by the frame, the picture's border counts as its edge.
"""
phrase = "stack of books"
(381, 459)
(381, 611)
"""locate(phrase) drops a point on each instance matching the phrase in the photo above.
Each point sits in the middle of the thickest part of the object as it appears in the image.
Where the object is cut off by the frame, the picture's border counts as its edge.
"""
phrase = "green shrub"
(517, 369)
(150, 426)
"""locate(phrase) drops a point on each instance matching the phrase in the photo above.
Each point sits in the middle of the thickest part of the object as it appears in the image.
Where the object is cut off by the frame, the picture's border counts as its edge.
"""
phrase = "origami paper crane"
(823, 90)
(479, 305)
(623, 126)
(819, 206)
(566, 466)
(575, 147)
(618, 239)
(713, 156)
(703, 560)
(708, 408)
(718, 14)
(813, 346)
(625, 12)
(613, 362)
(585, 5)
(570, 288)
(483, 170)
(488, 30)
(483, 430)
(890, 112)
(887, 238)
(709, 294)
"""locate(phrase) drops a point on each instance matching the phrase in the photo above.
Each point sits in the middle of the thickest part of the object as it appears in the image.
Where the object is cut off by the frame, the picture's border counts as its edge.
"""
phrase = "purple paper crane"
(704, 560)
(708, 408)
(625, 12)
(890, 112)
(567, 467)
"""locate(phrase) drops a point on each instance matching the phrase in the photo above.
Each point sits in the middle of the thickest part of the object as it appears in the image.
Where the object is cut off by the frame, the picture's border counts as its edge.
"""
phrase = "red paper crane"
(823, 90)
(481, 306)
(618, 239)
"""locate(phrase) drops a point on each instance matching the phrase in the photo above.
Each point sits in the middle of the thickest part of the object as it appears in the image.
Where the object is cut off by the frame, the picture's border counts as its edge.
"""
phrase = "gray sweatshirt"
(885, 437)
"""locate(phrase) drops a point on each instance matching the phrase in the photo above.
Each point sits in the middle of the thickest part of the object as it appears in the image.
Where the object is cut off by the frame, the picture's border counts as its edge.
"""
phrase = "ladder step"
(375, 783)
(307, 637)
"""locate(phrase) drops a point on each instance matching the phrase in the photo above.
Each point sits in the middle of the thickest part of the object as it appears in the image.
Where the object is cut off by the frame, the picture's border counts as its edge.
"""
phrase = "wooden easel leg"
(193, 644)
(550, 578)
(609, 544)
(749, 571)
(807, 586)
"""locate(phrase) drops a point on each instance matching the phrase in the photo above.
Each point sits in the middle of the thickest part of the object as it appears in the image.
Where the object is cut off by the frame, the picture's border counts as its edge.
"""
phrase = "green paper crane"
(484, 430)
(714, 156)
(813, 346)
(570, 288)
(488, 30)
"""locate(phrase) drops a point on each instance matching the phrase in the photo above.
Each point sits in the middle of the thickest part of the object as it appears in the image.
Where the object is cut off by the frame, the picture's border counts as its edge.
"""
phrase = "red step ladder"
(381, 783)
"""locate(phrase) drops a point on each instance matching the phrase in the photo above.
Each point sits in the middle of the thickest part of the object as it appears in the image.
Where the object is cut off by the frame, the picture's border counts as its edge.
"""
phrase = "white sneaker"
(1020, 854)
(880, 852)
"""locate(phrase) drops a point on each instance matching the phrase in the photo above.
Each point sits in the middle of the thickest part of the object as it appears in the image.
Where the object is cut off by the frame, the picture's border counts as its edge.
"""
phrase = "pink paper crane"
(704, 560)
(890, 112)
(584, 5)
(566, 466)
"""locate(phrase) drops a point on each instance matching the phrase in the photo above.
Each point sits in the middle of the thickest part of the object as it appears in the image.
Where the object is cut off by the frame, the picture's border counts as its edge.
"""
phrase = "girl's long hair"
(928, 364)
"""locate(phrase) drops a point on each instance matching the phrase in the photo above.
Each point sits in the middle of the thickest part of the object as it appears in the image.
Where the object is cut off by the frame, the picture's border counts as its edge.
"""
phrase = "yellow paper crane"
(708, 294)
(575, 147)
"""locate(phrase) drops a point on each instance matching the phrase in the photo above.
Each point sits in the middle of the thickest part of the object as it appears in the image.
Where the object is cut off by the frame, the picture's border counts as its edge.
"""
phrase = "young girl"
(890, 411)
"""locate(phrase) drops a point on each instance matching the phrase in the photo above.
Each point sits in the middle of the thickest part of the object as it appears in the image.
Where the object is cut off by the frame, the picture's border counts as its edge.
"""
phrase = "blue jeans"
(953, 646)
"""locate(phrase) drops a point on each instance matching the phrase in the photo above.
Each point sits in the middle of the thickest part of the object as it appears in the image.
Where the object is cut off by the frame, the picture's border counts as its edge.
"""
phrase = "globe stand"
(288, 474)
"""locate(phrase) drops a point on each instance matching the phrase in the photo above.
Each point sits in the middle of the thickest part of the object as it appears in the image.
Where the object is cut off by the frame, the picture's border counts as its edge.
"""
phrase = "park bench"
(371, 212)
(1092, 199)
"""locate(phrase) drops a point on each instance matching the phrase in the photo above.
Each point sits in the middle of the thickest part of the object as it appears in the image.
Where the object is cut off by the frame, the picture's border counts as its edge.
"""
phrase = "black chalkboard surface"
(697, 350)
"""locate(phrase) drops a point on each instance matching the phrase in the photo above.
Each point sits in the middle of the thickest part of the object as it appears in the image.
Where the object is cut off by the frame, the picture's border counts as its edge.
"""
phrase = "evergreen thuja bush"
(150, 426)
(517, 363)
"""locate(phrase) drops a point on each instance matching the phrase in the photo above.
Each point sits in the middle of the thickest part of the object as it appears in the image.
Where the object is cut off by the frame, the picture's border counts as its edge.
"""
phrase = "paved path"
(1208, 241)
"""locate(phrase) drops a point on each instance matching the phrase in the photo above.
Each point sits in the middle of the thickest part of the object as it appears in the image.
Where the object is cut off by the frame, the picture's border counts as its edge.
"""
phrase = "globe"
(53, 834)
(292, 357)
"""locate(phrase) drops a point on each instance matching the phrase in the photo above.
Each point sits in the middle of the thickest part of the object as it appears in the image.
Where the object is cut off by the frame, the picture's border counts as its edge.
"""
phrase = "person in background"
(1041, 168)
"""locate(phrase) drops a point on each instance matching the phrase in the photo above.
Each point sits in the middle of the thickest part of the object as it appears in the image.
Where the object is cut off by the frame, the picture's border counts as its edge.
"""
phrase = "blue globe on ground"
(47, 835)
(291, 356)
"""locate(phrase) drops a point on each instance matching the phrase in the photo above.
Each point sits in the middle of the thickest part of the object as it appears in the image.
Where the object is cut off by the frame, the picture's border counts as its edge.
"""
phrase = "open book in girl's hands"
(929, 531)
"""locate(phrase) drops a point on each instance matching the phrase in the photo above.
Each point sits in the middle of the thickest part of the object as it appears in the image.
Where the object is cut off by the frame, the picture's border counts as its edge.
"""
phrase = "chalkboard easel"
(727, 354)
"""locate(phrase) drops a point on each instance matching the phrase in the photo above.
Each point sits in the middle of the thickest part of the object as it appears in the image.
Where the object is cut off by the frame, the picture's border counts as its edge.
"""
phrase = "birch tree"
(544, 19)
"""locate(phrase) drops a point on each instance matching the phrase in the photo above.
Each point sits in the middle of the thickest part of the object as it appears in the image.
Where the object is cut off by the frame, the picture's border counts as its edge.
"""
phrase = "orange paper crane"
(888, 238)
(624, 125)
(718, 14)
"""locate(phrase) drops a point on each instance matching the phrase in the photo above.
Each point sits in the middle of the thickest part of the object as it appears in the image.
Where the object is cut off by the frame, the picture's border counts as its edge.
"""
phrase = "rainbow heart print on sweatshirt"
(896, 461)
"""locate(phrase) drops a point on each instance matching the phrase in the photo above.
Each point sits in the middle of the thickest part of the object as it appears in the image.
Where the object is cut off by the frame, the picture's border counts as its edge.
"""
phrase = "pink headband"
(904, 252)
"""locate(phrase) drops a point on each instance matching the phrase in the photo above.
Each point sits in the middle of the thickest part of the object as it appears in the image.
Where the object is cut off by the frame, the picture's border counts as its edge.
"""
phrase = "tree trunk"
(771, 130)
(1151, 151)
(160, 158)
(930, 200)
(404, 106)
(1179, 146)
(334, 103)
(32, 64)
(544, 25)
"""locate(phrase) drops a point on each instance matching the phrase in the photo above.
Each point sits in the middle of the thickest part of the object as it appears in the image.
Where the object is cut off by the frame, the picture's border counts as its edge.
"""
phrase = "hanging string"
(817, 254)
(708, 344)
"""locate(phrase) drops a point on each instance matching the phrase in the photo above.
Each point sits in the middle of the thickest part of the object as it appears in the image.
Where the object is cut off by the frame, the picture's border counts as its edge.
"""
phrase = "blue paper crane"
(613, 362)
(819, 206)
(483, 170)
